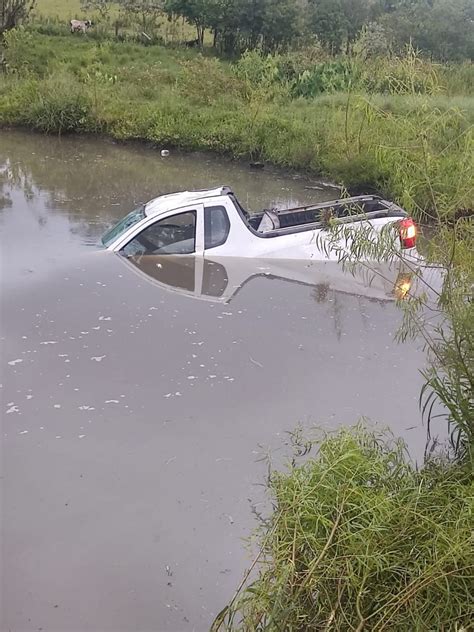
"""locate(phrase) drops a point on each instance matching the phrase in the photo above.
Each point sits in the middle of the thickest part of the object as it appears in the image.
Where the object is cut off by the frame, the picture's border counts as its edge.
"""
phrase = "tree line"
(441, 29)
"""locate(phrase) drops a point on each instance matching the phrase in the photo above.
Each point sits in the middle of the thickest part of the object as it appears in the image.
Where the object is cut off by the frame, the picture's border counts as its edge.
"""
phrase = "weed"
(360, 540)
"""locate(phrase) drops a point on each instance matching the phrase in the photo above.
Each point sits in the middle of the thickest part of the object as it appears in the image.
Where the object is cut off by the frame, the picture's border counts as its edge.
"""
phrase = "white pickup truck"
(213, 222)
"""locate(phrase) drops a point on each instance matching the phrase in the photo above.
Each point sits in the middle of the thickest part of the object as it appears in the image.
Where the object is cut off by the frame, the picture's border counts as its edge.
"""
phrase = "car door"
(178, 233)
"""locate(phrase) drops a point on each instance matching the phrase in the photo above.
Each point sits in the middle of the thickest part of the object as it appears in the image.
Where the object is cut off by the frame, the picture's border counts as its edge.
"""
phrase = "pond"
(138, 403)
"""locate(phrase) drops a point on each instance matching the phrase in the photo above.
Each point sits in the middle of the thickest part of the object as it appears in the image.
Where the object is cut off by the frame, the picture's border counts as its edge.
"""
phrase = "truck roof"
(170, 201)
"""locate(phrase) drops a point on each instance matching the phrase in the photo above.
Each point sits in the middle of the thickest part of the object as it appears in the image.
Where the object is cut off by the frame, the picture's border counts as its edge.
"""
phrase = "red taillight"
(408, 233)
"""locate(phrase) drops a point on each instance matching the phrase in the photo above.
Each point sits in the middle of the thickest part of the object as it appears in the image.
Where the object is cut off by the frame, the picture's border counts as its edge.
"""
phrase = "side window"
(175, 235)
(216, 226)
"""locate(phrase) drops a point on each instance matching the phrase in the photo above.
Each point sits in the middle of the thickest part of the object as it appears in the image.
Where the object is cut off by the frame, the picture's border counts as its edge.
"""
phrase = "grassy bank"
(413, 142)
(359, 540)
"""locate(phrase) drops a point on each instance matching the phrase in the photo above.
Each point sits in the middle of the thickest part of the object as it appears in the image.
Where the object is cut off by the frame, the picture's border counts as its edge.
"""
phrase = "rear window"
(216, 226)
(129, 220)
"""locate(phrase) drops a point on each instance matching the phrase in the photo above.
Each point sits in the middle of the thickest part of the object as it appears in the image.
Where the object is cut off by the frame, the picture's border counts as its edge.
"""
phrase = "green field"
(63, 9)
(59, 13)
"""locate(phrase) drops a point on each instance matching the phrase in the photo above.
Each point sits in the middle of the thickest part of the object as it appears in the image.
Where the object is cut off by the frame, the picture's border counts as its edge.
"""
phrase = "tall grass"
(360, 540)
(411, 146)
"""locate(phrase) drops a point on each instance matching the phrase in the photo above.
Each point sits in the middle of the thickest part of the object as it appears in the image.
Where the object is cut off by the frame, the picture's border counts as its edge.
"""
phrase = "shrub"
(260, 75)
(335, 76)
(295, 62)
(372, 41)
(407, 74)
(55, 105)
(203, 80)
(51, 26)
(20, 55)
(457, 78)
(360, 540)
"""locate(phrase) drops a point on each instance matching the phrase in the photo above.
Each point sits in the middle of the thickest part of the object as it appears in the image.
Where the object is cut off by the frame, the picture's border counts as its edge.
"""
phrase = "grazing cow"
(80, 26)
(192, 43)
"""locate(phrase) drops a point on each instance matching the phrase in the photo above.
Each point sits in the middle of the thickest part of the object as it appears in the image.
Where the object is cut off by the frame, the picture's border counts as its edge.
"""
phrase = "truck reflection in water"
(220, 280)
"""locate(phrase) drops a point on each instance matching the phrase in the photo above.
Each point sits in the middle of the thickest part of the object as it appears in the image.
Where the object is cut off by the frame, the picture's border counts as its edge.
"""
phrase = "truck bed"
(272, 222)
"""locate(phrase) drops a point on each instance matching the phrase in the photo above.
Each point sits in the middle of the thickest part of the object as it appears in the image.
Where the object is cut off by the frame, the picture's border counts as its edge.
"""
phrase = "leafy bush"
(20, 53)
(335, 76)
(293, 63)
(360, 540)
(259, 74)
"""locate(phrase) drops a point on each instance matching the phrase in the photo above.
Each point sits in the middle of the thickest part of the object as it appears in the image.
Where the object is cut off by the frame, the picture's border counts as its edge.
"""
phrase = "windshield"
(124, 224)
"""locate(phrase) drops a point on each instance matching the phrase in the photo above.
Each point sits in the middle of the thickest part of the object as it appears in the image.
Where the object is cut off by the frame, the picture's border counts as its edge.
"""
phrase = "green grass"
(417, 149)
(52, 18)
(63, 9)
(360, 540)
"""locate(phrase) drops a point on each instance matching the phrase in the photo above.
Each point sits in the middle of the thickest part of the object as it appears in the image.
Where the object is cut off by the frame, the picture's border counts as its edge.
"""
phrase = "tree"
(356, 16)
(101, 6)
(282, 23)
(195, 12)
(12, 12)
(444, 28)
(328, 23)
(338, 23)
(146, 12)
(372, 41)
(224, 20)
(241, 24)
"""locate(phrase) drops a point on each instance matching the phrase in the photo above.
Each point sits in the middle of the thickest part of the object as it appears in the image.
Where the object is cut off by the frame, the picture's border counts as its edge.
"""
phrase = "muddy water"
(135, 408)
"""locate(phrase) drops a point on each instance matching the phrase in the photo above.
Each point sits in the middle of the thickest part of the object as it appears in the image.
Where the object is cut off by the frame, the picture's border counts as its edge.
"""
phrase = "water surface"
(136, 404)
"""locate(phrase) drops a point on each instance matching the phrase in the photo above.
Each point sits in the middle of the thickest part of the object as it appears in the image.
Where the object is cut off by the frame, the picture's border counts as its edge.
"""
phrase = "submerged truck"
(214, 223)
